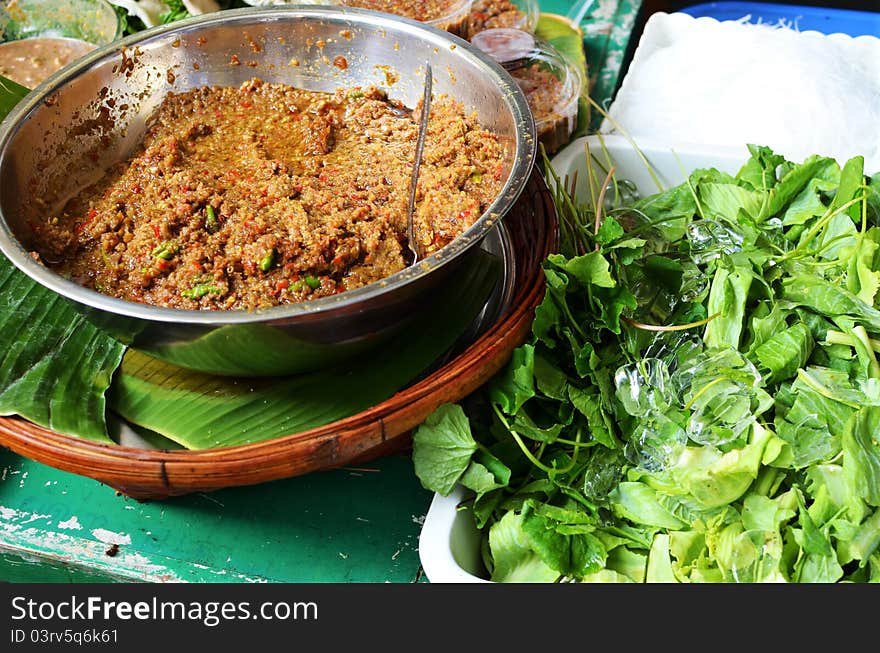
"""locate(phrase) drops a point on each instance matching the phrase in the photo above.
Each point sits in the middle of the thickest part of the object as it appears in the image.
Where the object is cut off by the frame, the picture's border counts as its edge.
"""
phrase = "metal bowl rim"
(524, 159)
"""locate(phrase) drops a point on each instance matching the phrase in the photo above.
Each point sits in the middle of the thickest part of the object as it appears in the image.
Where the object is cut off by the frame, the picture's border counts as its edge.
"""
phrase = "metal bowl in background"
(39, 37)
(70, 128)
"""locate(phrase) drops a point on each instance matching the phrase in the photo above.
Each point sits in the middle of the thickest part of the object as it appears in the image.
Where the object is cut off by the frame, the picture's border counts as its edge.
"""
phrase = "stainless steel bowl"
(94, 113)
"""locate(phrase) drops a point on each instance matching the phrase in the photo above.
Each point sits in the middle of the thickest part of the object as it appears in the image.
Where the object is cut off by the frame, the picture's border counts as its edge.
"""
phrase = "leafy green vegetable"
(446, 445)
(176, 11)
(699, 400)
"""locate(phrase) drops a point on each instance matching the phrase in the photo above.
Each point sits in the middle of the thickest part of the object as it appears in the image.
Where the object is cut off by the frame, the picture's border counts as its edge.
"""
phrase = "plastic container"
(552, 84)
(828, 20)
(93, 21)
(450, 544)
(449, 15)
(518, 14)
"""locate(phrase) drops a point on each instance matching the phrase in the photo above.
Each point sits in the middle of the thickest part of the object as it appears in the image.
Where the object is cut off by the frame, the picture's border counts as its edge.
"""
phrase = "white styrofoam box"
(449, 543)
(702, 82)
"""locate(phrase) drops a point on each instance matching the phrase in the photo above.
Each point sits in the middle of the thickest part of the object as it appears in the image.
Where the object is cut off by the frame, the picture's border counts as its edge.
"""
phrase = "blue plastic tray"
(827, 20)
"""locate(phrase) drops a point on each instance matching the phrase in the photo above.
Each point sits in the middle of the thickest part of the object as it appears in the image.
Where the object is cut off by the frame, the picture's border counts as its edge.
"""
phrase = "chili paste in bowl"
(551, 82)
(265, 194)
(448, 15)
(516, 14)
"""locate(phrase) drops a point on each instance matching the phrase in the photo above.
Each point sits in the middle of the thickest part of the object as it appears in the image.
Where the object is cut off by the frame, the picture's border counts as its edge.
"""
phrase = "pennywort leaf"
(442, 448)
(571, 552)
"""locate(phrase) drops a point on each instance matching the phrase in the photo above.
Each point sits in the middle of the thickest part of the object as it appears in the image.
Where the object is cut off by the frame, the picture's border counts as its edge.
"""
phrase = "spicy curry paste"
(265, 194)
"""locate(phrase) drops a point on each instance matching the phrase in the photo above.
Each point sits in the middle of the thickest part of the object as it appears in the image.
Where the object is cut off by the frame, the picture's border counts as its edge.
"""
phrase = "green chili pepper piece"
(268, 260)
(202, 289)
(165, 250)
(211, 223)
(162, 252)
(313, 282)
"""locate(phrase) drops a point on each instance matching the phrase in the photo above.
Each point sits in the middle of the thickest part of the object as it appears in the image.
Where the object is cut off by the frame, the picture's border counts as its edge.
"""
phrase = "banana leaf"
(199, 411)
(54, 366)
(10, 94)
(569, 40)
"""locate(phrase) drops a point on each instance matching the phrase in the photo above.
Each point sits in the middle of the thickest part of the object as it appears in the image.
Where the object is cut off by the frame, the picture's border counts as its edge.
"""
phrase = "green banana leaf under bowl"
(95, 111)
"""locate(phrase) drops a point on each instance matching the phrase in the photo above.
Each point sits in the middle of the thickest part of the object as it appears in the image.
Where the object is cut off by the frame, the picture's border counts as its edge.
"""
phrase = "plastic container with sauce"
(39, 37)
(551, 82)
(491, 14)
(449, 15)
(29, 61)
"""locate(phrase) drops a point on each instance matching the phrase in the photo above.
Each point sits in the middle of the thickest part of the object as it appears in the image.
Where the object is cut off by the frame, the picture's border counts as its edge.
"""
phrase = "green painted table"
(346, 525)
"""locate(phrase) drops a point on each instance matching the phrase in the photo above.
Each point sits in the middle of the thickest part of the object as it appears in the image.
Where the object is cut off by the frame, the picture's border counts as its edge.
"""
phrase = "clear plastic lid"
(551, 82)
(491, 14)
(449, 15)
(93, 21)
